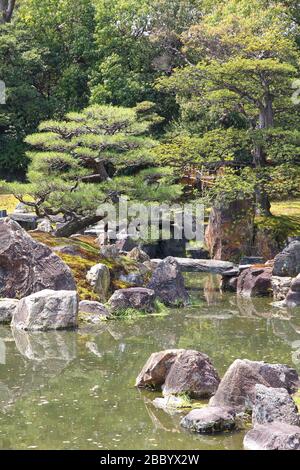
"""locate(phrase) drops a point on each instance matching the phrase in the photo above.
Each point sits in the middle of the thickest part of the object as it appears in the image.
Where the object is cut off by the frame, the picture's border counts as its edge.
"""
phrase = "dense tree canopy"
(220, 73)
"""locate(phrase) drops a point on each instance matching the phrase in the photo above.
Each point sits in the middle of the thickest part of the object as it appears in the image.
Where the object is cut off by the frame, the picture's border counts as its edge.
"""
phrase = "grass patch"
(8, 202)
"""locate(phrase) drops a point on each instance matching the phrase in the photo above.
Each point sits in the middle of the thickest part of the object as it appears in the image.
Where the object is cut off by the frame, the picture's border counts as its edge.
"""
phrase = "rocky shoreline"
(249, 392)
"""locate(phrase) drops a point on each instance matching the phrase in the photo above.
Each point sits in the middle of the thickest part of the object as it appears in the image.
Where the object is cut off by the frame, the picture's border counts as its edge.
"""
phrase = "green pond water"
(75, 390)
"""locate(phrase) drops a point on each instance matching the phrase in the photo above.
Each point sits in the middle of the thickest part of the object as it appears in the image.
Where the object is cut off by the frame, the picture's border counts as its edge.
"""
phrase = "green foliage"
(45, 60)
(69, 170)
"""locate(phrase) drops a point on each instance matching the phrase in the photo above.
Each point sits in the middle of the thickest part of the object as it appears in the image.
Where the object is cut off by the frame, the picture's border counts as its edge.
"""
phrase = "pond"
(75, 390)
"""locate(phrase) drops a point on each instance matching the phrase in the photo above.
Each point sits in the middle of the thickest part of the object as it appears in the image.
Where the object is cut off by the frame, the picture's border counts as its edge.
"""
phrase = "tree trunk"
(76, 225)
(6, 10)
(266, 120)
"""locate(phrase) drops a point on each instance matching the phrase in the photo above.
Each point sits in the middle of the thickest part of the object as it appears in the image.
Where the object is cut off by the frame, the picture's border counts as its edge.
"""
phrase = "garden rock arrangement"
(278, 277)
(28, 266)
(178, 371)
(168, 283)
(261, 389)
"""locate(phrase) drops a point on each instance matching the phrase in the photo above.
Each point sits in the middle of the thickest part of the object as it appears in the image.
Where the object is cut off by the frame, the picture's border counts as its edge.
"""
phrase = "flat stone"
(210, 419)
(200, 265)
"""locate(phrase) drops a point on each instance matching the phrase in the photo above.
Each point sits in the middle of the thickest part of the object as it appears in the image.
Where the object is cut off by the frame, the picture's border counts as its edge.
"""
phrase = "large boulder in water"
(193, 373)
(274, 436)
(287, 263)
(237, 388)
(178, 371)
(27, 266)
(274, 404)
(168, 283)
(47, 310)
(255, 281)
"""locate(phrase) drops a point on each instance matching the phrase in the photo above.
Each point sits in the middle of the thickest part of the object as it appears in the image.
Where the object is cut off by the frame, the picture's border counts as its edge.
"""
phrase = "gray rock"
(135, 279)
(293, 296)
(7, 309)
(93, 311)
(27, 266)
(287, 263)
(138, 255)
(237, 387)
(273, 436)
(274, 404)
(47, 310)
(44, 225)
(210, 419)
(138, 298)
(192, 373)
(280, 287)
(168, 283)
(109, 251)
(99, 278)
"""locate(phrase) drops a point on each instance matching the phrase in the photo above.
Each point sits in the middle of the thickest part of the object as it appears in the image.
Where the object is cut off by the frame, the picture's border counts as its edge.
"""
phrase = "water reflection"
(31, 359)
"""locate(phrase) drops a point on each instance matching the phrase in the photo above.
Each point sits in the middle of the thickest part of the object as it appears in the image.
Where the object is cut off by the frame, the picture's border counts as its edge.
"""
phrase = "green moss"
(87, 255)
(281, 227)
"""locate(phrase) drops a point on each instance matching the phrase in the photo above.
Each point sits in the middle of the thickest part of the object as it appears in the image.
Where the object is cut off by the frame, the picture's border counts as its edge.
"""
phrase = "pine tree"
(91, 158)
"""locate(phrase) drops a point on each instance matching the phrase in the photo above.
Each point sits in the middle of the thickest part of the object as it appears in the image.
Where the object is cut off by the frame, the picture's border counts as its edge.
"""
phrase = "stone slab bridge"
(201, 265)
